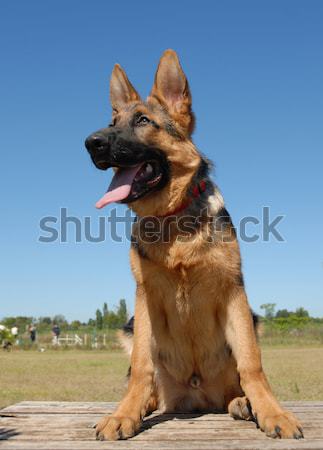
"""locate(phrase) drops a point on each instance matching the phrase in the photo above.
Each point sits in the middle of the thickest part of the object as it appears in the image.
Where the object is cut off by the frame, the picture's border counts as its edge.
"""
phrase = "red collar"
(197, 190)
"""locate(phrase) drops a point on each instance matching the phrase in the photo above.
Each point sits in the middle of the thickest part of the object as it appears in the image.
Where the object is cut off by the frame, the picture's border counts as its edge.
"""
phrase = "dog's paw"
(280, 425)
(239, 408)
(113, 428)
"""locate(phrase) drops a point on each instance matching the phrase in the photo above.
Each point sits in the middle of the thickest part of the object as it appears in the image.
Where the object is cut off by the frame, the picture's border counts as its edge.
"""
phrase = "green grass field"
(295, 374)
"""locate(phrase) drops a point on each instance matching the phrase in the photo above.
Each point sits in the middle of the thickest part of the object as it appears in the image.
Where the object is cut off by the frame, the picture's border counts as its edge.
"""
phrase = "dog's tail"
(125, 336)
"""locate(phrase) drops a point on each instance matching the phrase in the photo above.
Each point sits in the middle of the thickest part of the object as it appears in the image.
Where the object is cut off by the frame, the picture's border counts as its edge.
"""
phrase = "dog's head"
(148, 143)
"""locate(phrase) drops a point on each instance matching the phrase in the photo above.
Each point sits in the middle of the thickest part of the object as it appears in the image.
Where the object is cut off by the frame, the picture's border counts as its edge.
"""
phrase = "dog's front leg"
(240, 334)
(126, 420)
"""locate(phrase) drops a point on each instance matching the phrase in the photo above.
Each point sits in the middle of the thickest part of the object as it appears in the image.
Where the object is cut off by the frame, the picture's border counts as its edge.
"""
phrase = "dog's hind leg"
(239, 408)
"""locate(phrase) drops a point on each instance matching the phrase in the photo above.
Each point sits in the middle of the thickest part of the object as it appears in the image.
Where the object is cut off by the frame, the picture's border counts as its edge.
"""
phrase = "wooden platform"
(65, 425)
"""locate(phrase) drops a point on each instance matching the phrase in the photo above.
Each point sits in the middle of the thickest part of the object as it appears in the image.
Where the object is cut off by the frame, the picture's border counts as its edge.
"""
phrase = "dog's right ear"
(121, 90)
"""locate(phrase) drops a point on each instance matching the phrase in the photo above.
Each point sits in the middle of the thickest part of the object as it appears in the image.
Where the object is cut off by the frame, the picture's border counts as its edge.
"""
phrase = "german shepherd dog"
(194, 343)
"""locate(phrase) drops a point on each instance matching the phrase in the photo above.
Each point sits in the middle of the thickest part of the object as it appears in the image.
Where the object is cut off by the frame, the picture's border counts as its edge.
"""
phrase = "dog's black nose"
(96, 143)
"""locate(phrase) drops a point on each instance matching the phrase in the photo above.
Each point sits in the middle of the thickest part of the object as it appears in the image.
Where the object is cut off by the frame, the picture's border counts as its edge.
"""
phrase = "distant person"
(14, 332)
(32, 333)
(5, 338)
(56, 332)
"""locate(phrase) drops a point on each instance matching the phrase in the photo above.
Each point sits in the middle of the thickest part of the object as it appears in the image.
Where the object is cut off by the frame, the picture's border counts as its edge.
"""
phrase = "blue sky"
(255, 70)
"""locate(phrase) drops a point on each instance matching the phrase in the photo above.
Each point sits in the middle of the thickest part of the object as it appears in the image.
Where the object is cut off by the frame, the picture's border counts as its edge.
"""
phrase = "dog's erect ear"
(121, 90)
(171, 89)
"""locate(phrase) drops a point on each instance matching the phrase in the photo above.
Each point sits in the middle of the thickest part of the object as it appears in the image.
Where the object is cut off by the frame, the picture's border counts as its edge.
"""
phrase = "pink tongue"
(120, 186)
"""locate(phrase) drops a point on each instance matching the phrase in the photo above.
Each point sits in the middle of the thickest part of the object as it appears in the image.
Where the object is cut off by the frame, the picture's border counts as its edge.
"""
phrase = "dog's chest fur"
(186, 286)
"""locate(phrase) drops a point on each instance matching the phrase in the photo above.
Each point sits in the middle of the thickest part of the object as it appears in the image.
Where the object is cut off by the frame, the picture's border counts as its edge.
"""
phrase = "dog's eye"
(142, 120)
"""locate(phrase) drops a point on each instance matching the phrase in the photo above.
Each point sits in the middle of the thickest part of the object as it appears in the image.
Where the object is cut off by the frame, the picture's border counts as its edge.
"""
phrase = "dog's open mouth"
(131, 183)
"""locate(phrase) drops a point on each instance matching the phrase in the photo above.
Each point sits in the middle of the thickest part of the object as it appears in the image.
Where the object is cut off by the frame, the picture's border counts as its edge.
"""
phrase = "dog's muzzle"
(99, 146)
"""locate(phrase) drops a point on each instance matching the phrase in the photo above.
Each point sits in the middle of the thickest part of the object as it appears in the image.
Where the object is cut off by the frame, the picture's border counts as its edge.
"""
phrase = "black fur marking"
(255, 319)
(240, 280)
(168, 125)
(200, 203)
(171, 130)
(154, 124)
(223, 217)
(202, 172)
(128, 329)
(277, 429)
(204, 168)
(223, 223)
(129, 326)
(136, 246)
(228, 349)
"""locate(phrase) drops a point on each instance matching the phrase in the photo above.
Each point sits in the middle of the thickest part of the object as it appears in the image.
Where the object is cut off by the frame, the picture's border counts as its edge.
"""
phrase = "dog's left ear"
(171, 89)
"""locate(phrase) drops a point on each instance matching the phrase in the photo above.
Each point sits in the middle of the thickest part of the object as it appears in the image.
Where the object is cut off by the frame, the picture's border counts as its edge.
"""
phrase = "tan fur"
(126, 342)
(194, 341)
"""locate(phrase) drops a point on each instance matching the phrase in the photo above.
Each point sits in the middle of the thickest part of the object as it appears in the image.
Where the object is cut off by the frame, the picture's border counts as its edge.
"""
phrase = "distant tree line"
(284, 319)
(110, 319)
(104, 319)
(270, 314)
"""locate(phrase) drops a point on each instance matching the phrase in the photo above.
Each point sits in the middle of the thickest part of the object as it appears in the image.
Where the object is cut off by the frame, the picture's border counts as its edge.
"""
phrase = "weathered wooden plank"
(108, 407)
(82, 420)
(86, 404)
(156, 434)
(161, 422)
(60, 407)
(74, 421)
(65, 425)
(79, 435)
(284, 444)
